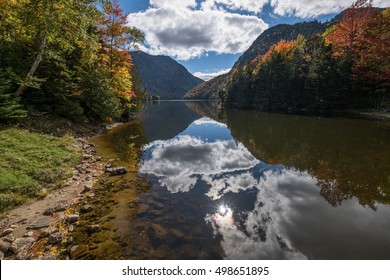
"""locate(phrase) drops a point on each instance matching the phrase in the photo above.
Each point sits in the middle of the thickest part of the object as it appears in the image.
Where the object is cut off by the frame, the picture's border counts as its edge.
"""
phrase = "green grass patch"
(30, 162)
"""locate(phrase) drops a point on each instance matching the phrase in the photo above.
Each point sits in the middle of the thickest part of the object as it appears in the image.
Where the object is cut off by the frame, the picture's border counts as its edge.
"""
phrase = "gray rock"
(41, 223)
(6, 232)
(56, 237)
(9, 238)
(21, 243)
(93, 228)
(86, 208)
(48, 212)
(70, 240)
(72, 218)
(4, 246)
(44, 234)
(115, 171)
(157, 234)
(71, 228)
(1, 256)
(28, 234)
(86, 157)
(61, 205)
(87, 188)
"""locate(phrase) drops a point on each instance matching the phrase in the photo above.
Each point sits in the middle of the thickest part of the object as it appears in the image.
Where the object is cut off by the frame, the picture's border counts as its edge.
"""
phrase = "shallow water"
(244, 185)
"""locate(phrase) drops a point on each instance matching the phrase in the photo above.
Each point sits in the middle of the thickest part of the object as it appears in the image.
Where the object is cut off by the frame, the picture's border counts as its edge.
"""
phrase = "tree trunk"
(34, 67)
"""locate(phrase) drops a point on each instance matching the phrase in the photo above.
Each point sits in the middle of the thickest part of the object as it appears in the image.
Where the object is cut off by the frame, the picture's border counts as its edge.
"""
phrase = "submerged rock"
(157, 234)
(115, 171)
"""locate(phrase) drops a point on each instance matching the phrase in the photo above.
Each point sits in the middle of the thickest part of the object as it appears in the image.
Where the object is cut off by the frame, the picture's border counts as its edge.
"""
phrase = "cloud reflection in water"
(227, 166)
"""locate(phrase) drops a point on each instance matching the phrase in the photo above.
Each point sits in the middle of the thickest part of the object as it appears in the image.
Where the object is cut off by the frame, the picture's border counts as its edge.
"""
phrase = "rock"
(93, 228)
(41, 223)
(28, 234)
(8, 238)
(21, 243)
(48, 256)
(86, 208)
(56, 237)
(13, 226)
(116, 171)
(6, 232)
(177, 233)
(71, 228)
(61, 205)
(48, 212)
(70, 240)
(143, 208)
(1, 256)
(99, 158)
(108, 165)
(4, 246)
(157, 234)
(72, 218)
(86, 157)
(44, 234)
(77, 250)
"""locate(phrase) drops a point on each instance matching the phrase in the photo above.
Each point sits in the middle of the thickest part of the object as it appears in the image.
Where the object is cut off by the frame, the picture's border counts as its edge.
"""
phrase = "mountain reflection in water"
(239, 188)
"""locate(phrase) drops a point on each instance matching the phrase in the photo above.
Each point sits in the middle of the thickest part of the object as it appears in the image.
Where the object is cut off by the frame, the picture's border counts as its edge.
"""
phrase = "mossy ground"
(31, 162)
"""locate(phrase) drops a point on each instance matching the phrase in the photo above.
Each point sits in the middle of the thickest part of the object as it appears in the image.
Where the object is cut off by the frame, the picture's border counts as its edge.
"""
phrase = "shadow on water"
(253, 186)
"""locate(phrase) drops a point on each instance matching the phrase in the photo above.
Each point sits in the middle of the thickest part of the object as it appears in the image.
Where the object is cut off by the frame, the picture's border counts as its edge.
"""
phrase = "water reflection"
(201, 151)
(254, 186)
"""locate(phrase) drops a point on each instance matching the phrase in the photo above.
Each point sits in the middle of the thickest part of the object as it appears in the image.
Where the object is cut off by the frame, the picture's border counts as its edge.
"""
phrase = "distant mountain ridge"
(161, 75)
(209, 89)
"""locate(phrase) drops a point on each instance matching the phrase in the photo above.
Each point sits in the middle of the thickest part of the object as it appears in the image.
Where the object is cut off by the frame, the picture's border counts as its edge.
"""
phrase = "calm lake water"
(243, 185)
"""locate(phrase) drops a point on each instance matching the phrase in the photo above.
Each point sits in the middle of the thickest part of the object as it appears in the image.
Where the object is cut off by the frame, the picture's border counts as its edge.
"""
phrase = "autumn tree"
(344, 36)
(117, 40)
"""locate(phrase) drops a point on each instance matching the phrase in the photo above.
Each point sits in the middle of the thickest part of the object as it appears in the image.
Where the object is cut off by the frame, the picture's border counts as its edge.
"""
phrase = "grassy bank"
(31, 164)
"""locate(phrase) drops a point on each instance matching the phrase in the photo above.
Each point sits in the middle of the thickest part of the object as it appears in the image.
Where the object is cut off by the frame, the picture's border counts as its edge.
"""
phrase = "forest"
(68, 58)
(347, 67)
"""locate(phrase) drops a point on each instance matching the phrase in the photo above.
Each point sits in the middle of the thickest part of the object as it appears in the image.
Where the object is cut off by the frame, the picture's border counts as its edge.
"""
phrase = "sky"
(208, 36)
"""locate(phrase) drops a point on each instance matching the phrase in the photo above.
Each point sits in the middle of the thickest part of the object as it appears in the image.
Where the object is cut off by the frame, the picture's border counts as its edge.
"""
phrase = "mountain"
(163, 76)
(274, 34)
(209, 89)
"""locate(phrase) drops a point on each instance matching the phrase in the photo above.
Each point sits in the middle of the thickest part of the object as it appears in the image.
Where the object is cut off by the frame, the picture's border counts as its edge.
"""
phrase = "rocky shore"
(39, 230)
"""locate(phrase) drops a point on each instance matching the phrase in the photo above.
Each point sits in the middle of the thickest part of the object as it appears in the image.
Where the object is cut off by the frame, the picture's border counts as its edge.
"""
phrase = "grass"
(30, 163)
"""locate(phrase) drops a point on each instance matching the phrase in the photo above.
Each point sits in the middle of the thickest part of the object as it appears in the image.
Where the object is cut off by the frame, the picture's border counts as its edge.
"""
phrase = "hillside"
(209, 89)
(279, 32)
(159, 76)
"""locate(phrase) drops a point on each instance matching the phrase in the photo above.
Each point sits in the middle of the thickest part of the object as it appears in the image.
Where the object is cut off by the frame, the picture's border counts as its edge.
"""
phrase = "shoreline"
(39, 229)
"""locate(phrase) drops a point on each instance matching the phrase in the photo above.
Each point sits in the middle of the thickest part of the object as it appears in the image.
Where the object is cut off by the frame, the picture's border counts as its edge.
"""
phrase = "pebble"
(93, 228)
(71, 228)
(56, 237)
(6, 232)
(86, 208)
(28, 234)
(72, 218)
(4, 246)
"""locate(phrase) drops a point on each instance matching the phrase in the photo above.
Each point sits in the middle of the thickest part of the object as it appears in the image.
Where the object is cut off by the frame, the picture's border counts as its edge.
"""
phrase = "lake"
(240, 185)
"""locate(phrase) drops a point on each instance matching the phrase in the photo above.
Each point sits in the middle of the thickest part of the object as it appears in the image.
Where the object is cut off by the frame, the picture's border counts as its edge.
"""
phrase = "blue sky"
(208, 36)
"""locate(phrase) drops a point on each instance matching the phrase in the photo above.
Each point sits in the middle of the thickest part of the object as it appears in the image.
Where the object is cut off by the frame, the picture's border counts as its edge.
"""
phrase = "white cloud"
(208, 76)
(208, 121)
(313, 8)
(264, 236)
(254, 6)
(179, 162)
(177, 29)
